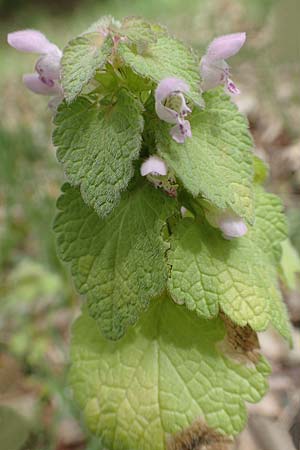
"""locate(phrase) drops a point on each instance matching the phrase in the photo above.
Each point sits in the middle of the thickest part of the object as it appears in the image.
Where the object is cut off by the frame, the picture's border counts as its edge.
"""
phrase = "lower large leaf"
(168, 375)
(209, 273)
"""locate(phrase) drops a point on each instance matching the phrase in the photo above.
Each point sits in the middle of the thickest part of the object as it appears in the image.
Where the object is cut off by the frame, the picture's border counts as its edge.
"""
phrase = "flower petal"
(181, 131)
(183, 211)
(232, 226)
(167, 86)
(166, 114)
(154, 165)
(212, 74)
(32, 41)
(184, 109)
(33, 82)
(225, 46)
(48, 66)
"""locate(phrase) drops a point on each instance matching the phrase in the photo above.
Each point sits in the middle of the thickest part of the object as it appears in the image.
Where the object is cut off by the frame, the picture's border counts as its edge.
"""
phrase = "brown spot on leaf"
(199, 437)
(240, 343)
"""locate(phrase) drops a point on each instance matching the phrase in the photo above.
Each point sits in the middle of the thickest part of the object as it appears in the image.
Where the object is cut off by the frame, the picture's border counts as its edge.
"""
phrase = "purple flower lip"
(34, 83)
(49, 83)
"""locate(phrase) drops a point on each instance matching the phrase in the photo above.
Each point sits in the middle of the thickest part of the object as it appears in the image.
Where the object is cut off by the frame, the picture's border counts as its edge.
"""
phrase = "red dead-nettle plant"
(168, 231)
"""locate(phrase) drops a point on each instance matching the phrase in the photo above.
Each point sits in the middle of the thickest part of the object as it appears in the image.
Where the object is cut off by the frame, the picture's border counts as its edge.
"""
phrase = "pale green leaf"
(289, 264)
(167, 372)
(166, 57)
(261, 170)
(97, 145)
(138, 31)
(216, 162)
(294, 226)
(14, 429)
(118, 262)
(101, 25)
(210, 273)
(270, 228)
(81, 58)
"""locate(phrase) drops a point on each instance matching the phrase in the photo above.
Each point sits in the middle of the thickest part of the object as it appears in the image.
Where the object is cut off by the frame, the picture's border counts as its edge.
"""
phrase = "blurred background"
(38, 302)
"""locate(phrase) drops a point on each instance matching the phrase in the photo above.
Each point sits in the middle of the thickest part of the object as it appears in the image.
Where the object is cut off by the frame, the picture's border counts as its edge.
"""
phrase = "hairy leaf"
(139, 32)
(238, 276)
(102, 25)
(270, 228)
(289, 264)
(97, 144)
(81, 58)
(118, 262)
(216, 162)
(261, 170)
(167, 372)
(166, 57)
(294, 227)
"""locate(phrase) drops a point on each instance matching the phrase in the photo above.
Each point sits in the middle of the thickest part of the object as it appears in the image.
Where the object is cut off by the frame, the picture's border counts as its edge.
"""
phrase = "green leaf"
(102, 25)
(294, 227)
(261, 170)
(289, 264)
(118, 262)
(81, 58)
(166, 57)
(216, 162)
(167, 372)
(270, 228)
(239, 277)
(138, 31)
(14, 429)
(97, 145)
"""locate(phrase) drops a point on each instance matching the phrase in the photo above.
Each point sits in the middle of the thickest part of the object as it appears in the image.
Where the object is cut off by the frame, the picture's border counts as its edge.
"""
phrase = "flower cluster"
(170, 102)
(171, 106)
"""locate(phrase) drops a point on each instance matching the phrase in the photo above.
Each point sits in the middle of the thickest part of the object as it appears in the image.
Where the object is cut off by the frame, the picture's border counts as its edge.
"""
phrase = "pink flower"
(154, 166)
(183, 211)
(214, 69)
(170, 106)
(46, 80)
(156, 171)
(231, 225)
